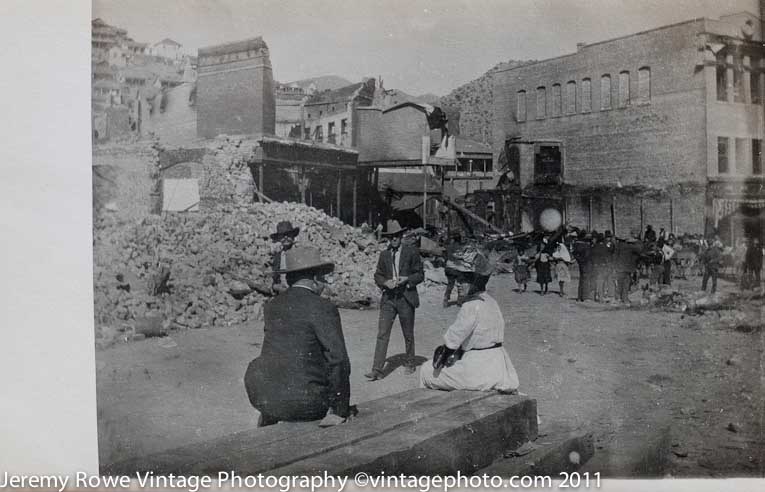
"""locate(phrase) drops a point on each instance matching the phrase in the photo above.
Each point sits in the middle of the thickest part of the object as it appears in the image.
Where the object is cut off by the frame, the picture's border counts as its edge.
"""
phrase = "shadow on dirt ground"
(664, 393)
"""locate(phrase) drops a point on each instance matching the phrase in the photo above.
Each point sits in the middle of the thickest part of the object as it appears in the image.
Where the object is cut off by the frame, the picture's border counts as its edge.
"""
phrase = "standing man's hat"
(284, 228)
(393, 228)
(305, 258)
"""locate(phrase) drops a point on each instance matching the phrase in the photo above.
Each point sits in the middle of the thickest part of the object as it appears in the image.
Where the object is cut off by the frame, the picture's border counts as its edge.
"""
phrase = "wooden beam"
(339, 189)
(355, 183)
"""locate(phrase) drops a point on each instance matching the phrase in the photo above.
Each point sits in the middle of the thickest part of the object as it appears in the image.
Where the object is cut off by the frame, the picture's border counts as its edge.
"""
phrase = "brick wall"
(124, 179)
(650, 143)
(685, 214)
(235, 96)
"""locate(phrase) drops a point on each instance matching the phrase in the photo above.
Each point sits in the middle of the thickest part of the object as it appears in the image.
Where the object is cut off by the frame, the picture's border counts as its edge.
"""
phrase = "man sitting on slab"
(303, 370)
(472, 356)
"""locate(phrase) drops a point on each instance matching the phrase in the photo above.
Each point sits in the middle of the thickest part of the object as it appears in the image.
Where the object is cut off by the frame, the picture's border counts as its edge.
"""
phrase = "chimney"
(579, 46)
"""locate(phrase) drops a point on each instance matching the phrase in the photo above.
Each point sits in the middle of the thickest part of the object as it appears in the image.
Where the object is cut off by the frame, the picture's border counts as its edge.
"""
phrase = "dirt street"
(631, 376)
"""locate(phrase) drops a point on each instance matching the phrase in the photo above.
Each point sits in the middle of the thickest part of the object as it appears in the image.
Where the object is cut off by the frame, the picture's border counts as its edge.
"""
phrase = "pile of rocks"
(212, 268)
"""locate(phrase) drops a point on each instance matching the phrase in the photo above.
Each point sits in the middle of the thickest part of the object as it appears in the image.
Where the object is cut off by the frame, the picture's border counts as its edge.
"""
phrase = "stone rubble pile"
(212, 268)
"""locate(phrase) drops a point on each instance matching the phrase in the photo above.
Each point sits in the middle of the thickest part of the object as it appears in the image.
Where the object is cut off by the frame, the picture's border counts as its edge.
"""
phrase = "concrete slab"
(262, 449)
(464, 438)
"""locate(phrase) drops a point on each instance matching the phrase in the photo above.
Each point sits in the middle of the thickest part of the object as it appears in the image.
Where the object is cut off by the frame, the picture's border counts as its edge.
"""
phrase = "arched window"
(571, 97)
(644, 84)
(520, 106)
(556, 101)
(624, 89)
(541, 102)
(586, 96)
(605, 92)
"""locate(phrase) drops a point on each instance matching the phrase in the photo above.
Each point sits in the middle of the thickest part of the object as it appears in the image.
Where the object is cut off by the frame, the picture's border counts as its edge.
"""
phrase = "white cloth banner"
(722, 207)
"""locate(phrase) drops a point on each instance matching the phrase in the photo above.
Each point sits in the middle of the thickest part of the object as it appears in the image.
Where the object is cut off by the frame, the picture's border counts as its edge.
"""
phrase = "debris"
(523, 450)
(680, 453)
(167, 342)
(212, 268)
(733, 427)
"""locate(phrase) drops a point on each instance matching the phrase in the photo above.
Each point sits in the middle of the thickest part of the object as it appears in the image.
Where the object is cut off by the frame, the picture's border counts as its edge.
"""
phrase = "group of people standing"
(303, 370)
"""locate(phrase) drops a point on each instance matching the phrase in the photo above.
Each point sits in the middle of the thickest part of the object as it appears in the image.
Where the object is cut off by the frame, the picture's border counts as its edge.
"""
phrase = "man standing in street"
(712, 259)
(399, 270)
(285, 234)
(626, 259)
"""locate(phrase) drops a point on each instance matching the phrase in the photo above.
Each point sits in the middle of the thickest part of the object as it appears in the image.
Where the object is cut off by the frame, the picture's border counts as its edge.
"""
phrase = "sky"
(418, 46)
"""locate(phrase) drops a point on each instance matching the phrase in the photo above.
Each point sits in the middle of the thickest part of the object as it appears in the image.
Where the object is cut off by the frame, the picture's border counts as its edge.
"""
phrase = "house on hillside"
(167, 48)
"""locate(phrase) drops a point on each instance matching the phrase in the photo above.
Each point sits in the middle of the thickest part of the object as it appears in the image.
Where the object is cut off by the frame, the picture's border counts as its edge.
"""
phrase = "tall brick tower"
(235, 90)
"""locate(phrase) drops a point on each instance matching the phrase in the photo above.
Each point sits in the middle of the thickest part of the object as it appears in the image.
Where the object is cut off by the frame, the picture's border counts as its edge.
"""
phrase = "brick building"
(235, 89)
(329, 116)
(662, 127)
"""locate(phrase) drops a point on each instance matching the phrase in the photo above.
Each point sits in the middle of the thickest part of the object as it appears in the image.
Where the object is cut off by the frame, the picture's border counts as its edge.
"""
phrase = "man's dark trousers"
(393, 305)
(710, 272)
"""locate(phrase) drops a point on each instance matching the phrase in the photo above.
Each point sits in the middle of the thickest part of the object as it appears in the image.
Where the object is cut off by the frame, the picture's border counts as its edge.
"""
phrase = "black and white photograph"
(416, 238)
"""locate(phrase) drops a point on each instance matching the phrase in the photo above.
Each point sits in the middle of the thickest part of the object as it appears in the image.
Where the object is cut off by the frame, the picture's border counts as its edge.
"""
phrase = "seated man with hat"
(399, 270)
(303, 370)
(285, 234)
(472, 357)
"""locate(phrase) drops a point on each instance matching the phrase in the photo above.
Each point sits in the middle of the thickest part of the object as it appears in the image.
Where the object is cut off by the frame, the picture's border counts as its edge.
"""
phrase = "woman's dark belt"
(496, 345)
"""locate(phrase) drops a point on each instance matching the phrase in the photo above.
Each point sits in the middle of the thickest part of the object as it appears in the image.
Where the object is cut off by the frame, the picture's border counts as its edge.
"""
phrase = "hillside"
(475, 103)
(323, 83)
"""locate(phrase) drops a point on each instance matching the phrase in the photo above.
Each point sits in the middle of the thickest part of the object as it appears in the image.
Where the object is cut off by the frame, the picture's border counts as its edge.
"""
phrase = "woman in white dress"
(478, 335)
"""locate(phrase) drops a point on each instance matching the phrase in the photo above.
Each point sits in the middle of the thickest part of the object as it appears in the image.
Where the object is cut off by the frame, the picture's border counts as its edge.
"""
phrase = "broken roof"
(343, 94)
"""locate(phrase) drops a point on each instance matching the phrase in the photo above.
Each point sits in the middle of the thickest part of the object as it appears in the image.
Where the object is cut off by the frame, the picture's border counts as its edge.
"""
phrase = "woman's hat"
(284, 228)
(393, 228)
(303, 258)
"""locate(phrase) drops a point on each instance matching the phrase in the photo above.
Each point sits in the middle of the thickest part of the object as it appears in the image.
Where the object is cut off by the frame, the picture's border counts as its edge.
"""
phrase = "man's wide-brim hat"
(284, 228)
(300, 259)
(393, 228)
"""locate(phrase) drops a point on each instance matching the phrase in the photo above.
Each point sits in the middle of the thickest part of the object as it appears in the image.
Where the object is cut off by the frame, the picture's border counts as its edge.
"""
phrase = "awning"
(722, 207)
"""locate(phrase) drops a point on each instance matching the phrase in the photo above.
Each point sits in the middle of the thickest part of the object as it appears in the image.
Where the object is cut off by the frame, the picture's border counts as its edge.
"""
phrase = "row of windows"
(565, 102)
(731, 79)
(741, 156)
(318, 132)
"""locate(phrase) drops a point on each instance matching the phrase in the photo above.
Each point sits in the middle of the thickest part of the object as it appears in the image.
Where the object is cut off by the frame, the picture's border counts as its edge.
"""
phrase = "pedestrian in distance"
(542, 264)
(284, 239)
(521, 270)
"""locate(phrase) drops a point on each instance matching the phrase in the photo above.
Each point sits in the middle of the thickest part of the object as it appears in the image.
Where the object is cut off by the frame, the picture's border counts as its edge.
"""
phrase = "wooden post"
(424, 196)
(671, 215)
(339, 186)
(355, 180)
(613, 215)
(260, 178)
(642, 220)
(589, 216)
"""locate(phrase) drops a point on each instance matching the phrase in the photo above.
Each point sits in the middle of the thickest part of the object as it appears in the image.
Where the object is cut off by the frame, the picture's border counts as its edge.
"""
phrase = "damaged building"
(662, 127)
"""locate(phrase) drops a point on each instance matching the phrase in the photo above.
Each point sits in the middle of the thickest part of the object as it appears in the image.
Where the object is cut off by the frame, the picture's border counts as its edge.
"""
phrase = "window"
(722, 155)
(605, 92)
(738, 84)
(571, 97)
(757, 157)
(541, 102)
(644, 84)
(307, 133)
(586, 96)
(624, 89)
(520, 106)
(344, 126)
(741, 155)
(318, 134)
(721, 78)
(755, 84)
(331, 137)
(556, 102)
